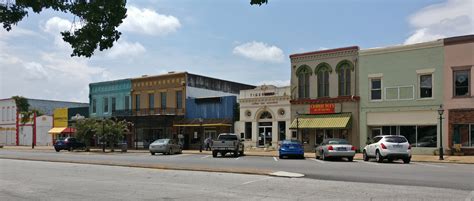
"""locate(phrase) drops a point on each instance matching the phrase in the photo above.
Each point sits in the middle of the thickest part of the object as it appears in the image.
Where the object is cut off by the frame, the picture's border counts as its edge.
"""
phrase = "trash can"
(124, 147)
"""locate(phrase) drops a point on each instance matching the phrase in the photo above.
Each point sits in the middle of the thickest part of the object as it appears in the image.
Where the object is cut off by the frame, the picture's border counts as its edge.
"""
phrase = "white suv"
(391, 147)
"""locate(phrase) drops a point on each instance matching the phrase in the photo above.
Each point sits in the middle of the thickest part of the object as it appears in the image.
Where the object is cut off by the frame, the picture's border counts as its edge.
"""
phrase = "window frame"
(432, 85)
(151, 100)
(94, 106)
(398, 93)
(137, 102)
(179, 100)
(163, 101)
(105, 105)
(114, 104)
(303, 86)
(454, 70)
(371, 89)
(323, 83)
(344, 73)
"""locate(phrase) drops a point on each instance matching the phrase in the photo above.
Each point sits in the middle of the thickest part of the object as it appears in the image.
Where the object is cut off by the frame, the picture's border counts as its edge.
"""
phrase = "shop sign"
(325, 108)
(60, 117)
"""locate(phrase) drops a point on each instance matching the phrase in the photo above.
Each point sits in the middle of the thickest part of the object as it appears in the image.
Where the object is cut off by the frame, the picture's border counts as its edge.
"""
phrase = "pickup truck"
(227, 143)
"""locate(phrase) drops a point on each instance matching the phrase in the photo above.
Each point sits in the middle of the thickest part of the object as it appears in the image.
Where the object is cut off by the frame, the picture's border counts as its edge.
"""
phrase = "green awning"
(325, 121)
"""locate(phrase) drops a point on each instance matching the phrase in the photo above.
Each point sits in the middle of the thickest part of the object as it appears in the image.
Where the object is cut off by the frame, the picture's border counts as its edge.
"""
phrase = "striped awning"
(326, 121)
(56, 130)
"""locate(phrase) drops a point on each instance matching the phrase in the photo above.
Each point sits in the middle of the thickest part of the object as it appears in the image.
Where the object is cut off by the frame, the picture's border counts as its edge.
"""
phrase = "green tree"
(111, 131)
(85, 131)
(99, 19)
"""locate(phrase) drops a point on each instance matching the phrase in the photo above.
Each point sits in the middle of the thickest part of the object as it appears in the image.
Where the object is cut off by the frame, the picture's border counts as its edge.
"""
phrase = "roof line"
(325, 51)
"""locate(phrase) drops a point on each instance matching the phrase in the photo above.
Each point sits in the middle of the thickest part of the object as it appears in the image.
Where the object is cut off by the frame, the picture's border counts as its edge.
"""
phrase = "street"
(449, 176)
(34, 180)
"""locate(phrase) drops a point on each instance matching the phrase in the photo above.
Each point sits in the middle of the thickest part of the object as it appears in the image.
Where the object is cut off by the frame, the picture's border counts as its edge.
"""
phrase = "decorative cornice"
(459, 40)
(339, 99)
(401, 48)
(325, 54)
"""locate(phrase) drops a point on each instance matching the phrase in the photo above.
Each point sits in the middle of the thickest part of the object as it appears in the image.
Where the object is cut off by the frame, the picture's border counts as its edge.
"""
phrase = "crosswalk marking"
(319, 161)
(274, 158)
(205, 156)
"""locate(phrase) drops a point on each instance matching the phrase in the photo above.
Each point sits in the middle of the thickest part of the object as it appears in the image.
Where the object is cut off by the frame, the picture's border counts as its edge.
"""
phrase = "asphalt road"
(452, 176)
(35, 180)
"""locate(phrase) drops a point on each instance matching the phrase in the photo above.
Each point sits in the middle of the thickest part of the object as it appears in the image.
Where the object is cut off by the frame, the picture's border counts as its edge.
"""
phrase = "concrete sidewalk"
(415, 158)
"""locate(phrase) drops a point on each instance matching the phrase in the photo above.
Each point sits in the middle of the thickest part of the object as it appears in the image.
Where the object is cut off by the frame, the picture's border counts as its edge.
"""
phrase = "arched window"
(266, 115)
(323, 70)
(344, 69)
(303, 74)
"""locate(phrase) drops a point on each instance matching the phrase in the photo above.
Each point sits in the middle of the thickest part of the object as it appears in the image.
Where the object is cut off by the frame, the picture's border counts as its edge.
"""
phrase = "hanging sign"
(325, 108)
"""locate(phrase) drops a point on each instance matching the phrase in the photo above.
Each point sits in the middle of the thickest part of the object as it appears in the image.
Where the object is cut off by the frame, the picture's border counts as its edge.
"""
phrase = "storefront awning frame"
(326, 121)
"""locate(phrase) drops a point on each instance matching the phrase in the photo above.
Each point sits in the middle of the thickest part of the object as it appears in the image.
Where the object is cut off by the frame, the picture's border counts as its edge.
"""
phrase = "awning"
(326, 121)
(56, 130)
(69, 130)
(203, 125)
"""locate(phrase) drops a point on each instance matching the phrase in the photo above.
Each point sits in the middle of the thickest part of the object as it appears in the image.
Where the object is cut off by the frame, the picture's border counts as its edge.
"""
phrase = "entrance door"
(265, 134)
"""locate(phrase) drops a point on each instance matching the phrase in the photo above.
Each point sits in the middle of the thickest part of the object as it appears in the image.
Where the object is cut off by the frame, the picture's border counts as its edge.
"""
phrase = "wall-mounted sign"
(325, 108)
(195, 135)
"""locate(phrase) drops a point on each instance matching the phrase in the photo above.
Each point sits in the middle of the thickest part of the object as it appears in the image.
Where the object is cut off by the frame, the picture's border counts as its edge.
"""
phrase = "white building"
(264, 116)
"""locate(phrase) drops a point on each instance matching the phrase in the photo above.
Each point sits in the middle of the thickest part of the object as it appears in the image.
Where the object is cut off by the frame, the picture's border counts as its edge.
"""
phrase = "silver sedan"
(165, 146)
(335, 148)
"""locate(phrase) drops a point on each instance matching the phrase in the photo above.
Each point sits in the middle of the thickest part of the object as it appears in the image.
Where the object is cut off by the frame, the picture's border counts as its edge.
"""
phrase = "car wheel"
(365, 156)
(70, 149)
(323, 156)
(390, 160)
(214, 154)
(378, 157)
(57, 150)
(241, 153)
(316, 155)
(280, 156)
(236, 154)
(406, 160)
(170, 152)
(350, 159)
(302, 156)
(152, 153)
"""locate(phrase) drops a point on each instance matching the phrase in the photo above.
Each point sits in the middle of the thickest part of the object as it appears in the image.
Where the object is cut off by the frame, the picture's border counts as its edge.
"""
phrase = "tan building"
(264, 116)
(458, 93)
(324, 96)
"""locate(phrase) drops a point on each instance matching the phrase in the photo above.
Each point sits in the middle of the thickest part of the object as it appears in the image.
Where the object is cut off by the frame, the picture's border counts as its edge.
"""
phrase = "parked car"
(290, 148)
(165, 146)
(227, 143)
(335, 148)
(69, 144)
(391, 147)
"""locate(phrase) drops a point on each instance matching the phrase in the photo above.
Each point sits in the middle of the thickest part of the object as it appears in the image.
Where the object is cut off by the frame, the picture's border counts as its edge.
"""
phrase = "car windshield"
(227, 137)
(338, 141)
(161, 141)
(395, 139)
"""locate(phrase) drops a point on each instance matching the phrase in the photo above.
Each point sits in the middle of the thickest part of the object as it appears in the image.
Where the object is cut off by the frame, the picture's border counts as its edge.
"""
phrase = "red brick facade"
(460, 116)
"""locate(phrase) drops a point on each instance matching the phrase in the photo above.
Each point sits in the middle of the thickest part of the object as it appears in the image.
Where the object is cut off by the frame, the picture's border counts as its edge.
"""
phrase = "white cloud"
(260, 52)
(149, 22)
(125, 48)
(55, 25)
(278, 83)
(450, 18)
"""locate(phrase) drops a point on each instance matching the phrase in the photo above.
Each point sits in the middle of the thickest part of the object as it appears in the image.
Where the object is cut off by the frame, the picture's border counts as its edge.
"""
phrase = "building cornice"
(459, 40)
(325, 54)
(400, 48)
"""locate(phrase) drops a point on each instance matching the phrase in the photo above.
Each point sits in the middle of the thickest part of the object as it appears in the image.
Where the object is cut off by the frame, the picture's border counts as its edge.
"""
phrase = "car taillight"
(353, 148)
(409, 146)
(383, 146)
(330, 148)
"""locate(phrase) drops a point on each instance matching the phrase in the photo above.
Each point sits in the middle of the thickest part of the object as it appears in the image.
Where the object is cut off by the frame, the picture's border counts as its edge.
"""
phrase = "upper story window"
(114, 104)
(179, 99)
(163, 100)
(323, 70)
(151, 100)
(127, 102)
(426, 86)
(94, 105)
(461, 79)
(344, 69)
(106, 105)
(266, 115)
(303, 73)
(137, 102)
(376, 89)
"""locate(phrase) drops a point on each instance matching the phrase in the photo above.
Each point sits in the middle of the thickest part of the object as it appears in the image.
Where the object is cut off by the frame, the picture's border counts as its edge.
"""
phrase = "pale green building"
(401, 88)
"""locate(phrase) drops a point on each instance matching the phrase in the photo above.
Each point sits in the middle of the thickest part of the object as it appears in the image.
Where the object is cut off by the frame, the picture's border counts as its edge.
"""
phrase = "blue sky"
(225, 39)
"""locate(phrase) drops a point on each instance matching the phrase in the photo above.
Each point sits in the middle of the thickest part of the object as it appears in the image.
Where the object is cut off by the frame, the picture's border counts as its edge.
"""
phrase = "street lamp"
(440, 112)
(200, 128)
(297, 124)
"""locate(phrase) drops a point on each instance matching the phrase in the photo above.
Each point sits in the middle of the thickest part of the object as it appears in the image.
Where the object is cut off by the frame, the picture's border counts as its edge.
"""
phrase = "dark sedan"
(69, 144)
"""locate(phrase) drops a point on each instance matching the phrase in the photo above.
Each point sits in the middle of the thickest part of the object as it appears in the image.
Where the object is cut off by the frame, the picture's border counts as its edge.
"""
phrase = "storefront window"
(282, 130)
(389, 130)
(248, 130)
(461, 134)
(410, 134)
(427, 136)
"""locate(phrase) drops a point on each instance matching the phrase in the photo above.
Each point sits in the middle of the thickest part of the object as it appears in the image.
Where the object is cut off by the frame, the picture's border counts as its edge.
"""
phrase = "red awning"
(69, 130)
